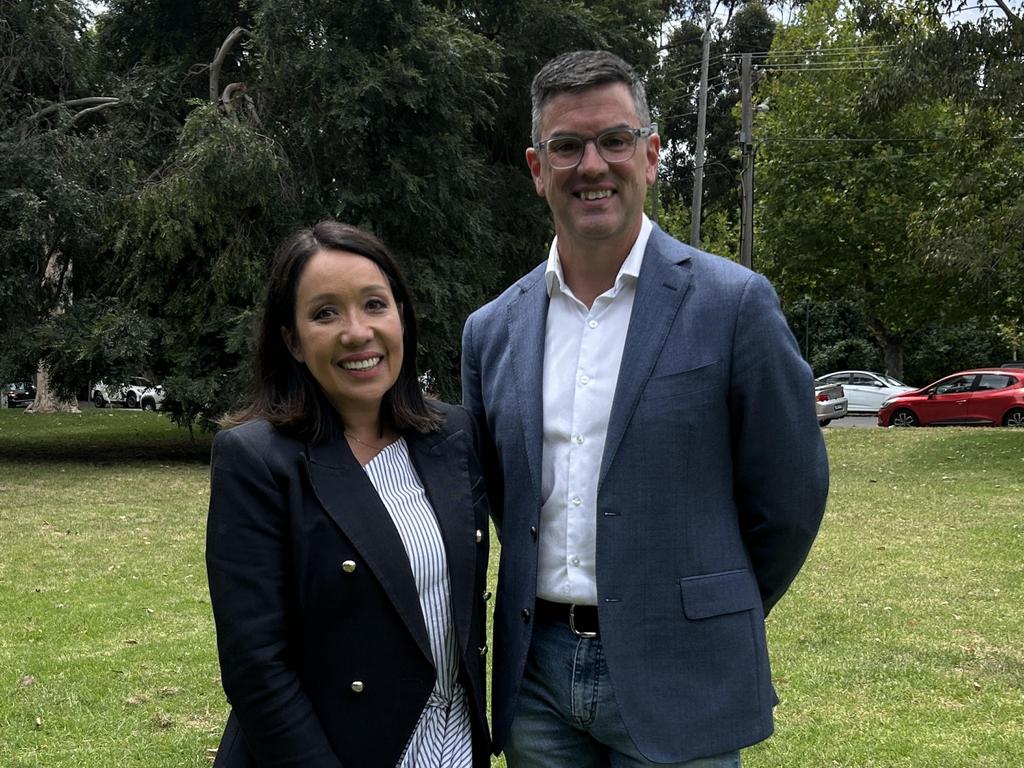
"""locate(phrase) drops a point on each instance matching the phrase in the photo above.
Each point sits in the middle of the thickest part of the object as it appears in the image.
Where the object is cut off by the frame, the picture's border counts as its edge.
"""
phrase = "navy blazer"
(323, 648)
(712, 486)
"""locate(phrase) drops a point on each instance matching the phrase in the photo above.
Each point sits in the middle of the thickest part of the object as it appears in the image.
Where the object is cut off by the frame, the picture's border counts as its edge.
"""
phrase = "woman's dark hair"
(285, 393)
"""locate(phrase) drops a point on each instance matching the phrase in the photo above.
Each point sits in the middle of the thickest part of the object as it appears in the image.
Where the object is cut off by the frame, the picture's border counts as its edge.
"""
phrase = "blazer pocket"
(718, 594)
(684, 383)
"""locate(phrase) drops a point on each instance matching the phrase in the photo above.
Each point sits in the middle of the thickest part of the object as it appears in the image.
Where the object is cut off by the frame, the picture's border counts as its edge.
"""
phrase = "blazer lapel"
(659, 294)
(346, 493)
(527, 319)
(442, 466)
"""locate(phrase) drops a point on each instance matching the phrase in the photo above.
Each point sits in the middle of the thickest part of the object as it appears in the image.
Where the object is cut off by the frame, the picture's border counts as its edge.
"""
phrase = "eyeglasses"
(616, 145)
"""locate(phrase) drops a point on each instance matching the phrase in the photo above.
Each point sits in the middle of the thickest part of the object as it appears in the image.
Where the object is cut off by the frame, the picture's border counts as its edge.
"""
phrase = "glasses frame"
(639, 133)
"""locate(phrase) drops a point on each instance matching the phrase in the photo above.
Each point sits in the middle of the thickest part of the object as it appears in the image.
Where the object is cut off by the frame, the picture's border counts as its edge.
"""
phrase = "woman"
(347, 539)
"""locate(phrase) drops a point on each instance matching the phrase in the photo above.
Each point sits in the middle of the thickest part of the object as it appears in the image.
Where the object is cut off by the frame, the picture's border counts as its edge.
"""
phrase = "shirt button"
(584, 380)
(579, 439)
(576, 501)
(575, 561)
(592, 323)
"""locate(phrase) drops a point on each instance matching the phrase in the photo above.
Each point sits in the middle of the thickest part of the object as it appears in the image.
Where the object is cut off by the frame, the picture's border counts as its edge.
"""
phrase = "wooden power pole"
(698, 153)
(747, 168)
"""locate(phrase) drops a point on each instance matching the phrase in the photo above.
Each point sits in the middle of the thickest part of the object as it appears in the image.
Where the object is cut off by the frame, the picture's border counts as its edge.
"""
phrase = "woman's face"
(348, 331)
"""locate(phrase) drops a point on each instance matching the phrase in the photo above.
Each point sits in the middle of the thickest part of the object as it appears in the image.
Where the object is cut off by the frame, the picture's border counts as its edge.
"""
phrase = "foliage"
(675, 88)
(848, 181)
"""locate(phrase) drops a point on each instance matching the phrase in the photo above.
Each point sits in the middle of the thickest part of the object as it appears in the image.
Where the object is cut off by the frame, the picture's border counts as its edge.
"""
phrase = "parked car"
(1018, 364)
(136, 393)
(20, 394)
(982, 396)
(830, 402)
(865, 390)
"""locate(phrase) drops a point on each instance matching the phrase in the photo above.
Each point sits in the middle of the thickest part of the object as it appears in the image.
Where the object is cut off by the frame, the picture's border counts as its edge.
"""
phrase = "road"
(855, 421)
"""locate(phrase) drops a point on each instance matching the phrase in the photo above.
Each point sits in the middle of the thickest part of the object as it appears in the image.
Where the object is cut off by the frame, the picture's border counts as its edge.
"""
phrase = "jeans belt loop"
(572, 624)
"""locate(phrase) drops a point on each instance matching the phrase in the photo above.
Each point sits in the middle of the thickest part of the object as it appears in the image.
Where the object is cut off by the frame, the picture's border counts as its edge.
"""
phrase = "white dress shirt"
(582, 353)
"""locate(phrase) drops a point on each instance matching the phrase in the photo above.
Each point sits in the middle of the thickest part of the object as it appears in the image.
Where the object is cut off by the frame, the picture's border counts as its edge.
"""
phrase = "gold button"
(479, 535)
(348, 566)
(357, 686)
(486, 595)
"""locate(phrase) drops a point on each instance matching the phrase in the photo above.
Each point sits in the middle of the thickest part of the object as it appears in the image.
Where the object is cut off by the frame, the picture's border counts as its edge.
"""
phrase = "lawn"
(901, 644)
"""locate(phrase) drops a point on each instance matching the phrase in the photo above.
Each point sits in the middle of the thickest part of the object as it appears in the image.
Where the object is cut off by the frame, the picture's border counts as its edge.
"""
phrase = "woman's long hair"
(284, 391)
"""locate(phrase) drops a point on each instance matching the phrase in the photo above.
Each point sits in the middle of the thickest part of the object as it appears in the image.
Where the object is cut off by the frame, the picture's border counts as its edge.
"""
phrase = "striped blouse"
(442, 737)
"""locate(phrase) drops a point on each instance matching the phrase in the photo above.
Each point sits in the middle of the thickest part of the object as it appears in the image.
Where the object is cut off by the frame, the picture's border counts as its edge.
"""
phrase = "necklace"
(377, 448)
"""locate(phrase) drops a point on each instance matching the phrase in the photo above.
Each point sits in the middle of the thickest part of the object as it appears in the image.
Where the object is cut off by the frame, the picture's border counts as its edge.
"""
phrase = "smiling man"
(655, 463)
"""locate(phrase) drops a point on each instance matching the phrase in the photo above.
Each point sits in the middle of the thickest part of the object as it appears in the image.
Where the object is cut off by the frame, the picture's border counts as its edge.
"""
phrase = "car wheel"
(1014, 418)
(149, 404)
(98, 400)
(904, 418)
(824, 422)
(131, 400)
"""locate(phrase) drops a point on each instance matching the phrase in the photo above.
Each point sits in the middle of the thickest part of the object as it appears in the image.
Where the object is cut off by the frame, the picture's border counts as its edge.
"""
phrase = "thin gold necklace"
(377, 448)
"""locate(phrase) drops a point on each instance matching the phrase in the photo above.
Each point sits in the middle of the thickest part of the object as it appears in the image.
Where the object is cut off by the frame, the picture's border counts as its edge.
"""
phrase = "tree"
(846, 178)
(747, 28)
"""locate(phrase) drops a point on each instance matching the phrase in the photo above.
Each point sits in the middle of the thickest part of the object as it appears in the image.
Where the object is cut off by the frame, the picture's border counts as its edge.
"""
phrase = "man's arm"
(780, 464)
(473, 401)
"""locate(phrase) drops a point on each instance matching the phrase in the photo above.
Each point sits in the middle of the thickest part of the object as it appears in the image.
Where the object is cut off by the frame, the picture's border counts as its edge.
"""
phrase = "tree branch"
(218, 61)
(1013, 17)
(90, 101)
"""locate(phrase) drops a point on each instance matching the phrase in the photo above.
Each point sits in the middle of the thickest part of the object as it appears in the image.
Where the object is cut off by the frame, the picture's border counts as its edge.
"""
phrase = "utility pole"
(747, 168)
(698, 154)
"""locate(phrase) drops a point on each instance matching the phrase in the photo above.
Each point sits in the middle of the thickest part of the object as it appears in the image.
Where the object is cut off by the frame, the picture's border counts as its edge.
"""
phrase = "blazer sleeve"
(781, 468)
(473, 401)
(253, 604)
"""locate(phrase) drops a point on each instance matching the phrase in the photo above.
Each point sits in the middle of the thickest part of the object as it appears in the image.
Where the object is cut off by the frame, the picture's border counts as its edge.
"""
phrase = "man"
(658, 470)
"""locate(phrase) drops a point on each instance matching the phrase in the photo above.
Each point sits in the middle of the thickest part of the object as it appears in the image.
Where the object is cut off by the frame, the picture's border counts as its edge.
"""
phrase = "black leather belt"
(582, 619)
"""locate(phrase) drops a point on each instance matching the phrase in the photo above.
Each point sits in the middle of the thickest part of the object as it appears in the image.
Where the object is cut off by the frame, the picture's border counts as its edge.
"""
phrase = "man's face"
(596, 203)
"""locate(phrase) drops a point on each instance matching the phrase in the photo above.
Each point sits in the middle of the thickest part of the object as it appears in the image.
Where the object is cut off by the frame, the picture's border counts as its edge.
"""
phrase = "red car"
(983, 396)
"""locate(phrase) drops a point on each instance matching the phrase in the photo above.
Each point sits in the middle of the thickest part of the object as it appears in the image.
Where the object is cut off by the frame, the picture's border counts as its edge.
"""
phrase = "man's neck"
(590, 269)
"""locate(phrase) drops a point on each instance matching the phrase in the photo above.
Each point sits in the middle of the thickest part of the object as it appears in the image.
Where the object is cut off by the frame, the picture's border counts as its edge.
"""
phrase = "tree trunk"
(46, 401)
(892, 348)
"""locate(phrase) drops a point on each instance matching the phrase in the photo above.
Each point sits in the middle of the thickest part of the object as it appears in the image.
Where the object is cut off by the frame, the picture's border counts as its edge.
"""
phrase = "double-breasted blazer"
(323, 648)
(711, 489)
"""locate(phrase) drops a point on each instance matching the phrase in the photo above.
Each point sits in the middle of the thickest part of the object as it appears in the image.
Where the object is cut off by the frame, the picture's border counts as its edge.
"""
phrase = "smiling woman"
(347, 536)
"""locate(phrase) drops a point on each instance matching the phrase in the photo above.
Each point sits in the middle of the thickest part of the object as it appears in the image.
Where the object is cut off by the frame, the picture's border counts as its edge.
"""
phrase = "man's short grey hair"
(578, 71)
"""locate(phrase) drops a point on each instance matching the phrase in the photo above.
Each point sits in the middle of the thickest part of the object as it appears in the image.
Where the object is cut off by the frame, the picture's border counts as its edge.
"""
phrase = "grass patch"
(900, 645)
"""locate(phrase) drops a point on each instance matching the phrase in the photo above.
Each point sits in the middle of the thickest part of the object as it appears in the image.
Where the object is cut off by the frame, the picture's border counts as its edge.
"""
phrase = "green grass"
(901, 643)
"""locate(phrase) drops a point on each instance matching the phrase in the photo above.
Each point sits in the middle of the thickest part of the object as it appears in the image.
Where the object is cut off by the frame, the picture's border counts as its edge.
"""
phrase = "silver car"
(865, 390)
(830, 402)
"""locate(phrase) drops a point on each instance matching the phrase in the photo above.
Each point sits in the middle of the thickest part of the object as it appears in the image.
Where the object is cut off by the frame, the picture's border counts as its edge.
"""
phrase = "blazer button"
(348, 566)
(483, 651)
(526, 615)
(357, 686)
(533, 532)
(486, 595)
(479, 535)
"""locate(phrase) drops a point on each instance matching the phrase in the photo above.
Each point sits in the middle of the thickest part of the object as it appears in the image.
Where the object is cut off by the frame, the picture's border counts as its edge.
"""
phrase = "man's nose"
(592, 162)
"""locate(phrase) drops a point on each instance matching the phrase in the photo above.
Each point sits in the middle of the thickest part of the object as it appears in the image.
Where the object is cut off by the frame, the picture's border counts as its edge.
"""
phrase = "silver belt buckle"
(572, 624)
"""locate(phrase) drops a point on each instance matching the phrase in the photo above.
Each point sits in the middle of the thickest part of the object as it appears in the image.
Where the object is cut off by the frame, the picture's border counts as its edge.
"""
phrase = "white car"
(865, 390)
(136, 393)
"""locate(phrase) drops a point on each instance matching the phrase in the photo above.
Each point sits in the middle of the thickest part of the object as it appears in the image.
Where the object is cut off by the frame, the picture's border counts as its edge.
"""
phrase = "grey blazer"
(712, 486)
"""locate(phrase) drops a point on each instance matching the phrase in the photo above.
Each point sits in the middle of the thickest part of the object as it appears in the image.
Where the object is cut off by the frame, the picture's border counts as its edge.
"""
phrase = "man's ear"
(293, 344)
(533, 161)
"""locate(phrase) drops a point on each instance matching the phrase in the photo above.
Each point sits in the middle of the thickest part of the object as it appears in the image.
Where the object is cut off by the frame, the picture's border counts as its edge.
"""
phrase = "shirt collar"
(629, 271)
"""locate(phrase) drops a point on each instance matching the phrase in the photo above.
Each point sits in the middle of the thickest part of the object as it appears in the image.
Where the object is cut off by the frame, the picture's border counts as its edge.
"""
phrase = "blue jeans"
(567, 717)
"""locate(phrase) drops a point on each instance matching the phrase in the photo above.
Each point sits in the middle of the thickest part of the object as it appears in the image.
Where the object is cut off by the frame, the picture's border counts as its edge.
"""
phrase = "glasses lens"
(616, 146)
(564, 152)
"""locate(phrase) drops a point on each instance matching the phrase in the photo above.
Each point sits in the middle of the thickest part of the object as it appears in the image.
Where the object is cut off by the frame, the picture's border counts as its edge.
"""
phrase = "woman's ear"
(293, 344)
